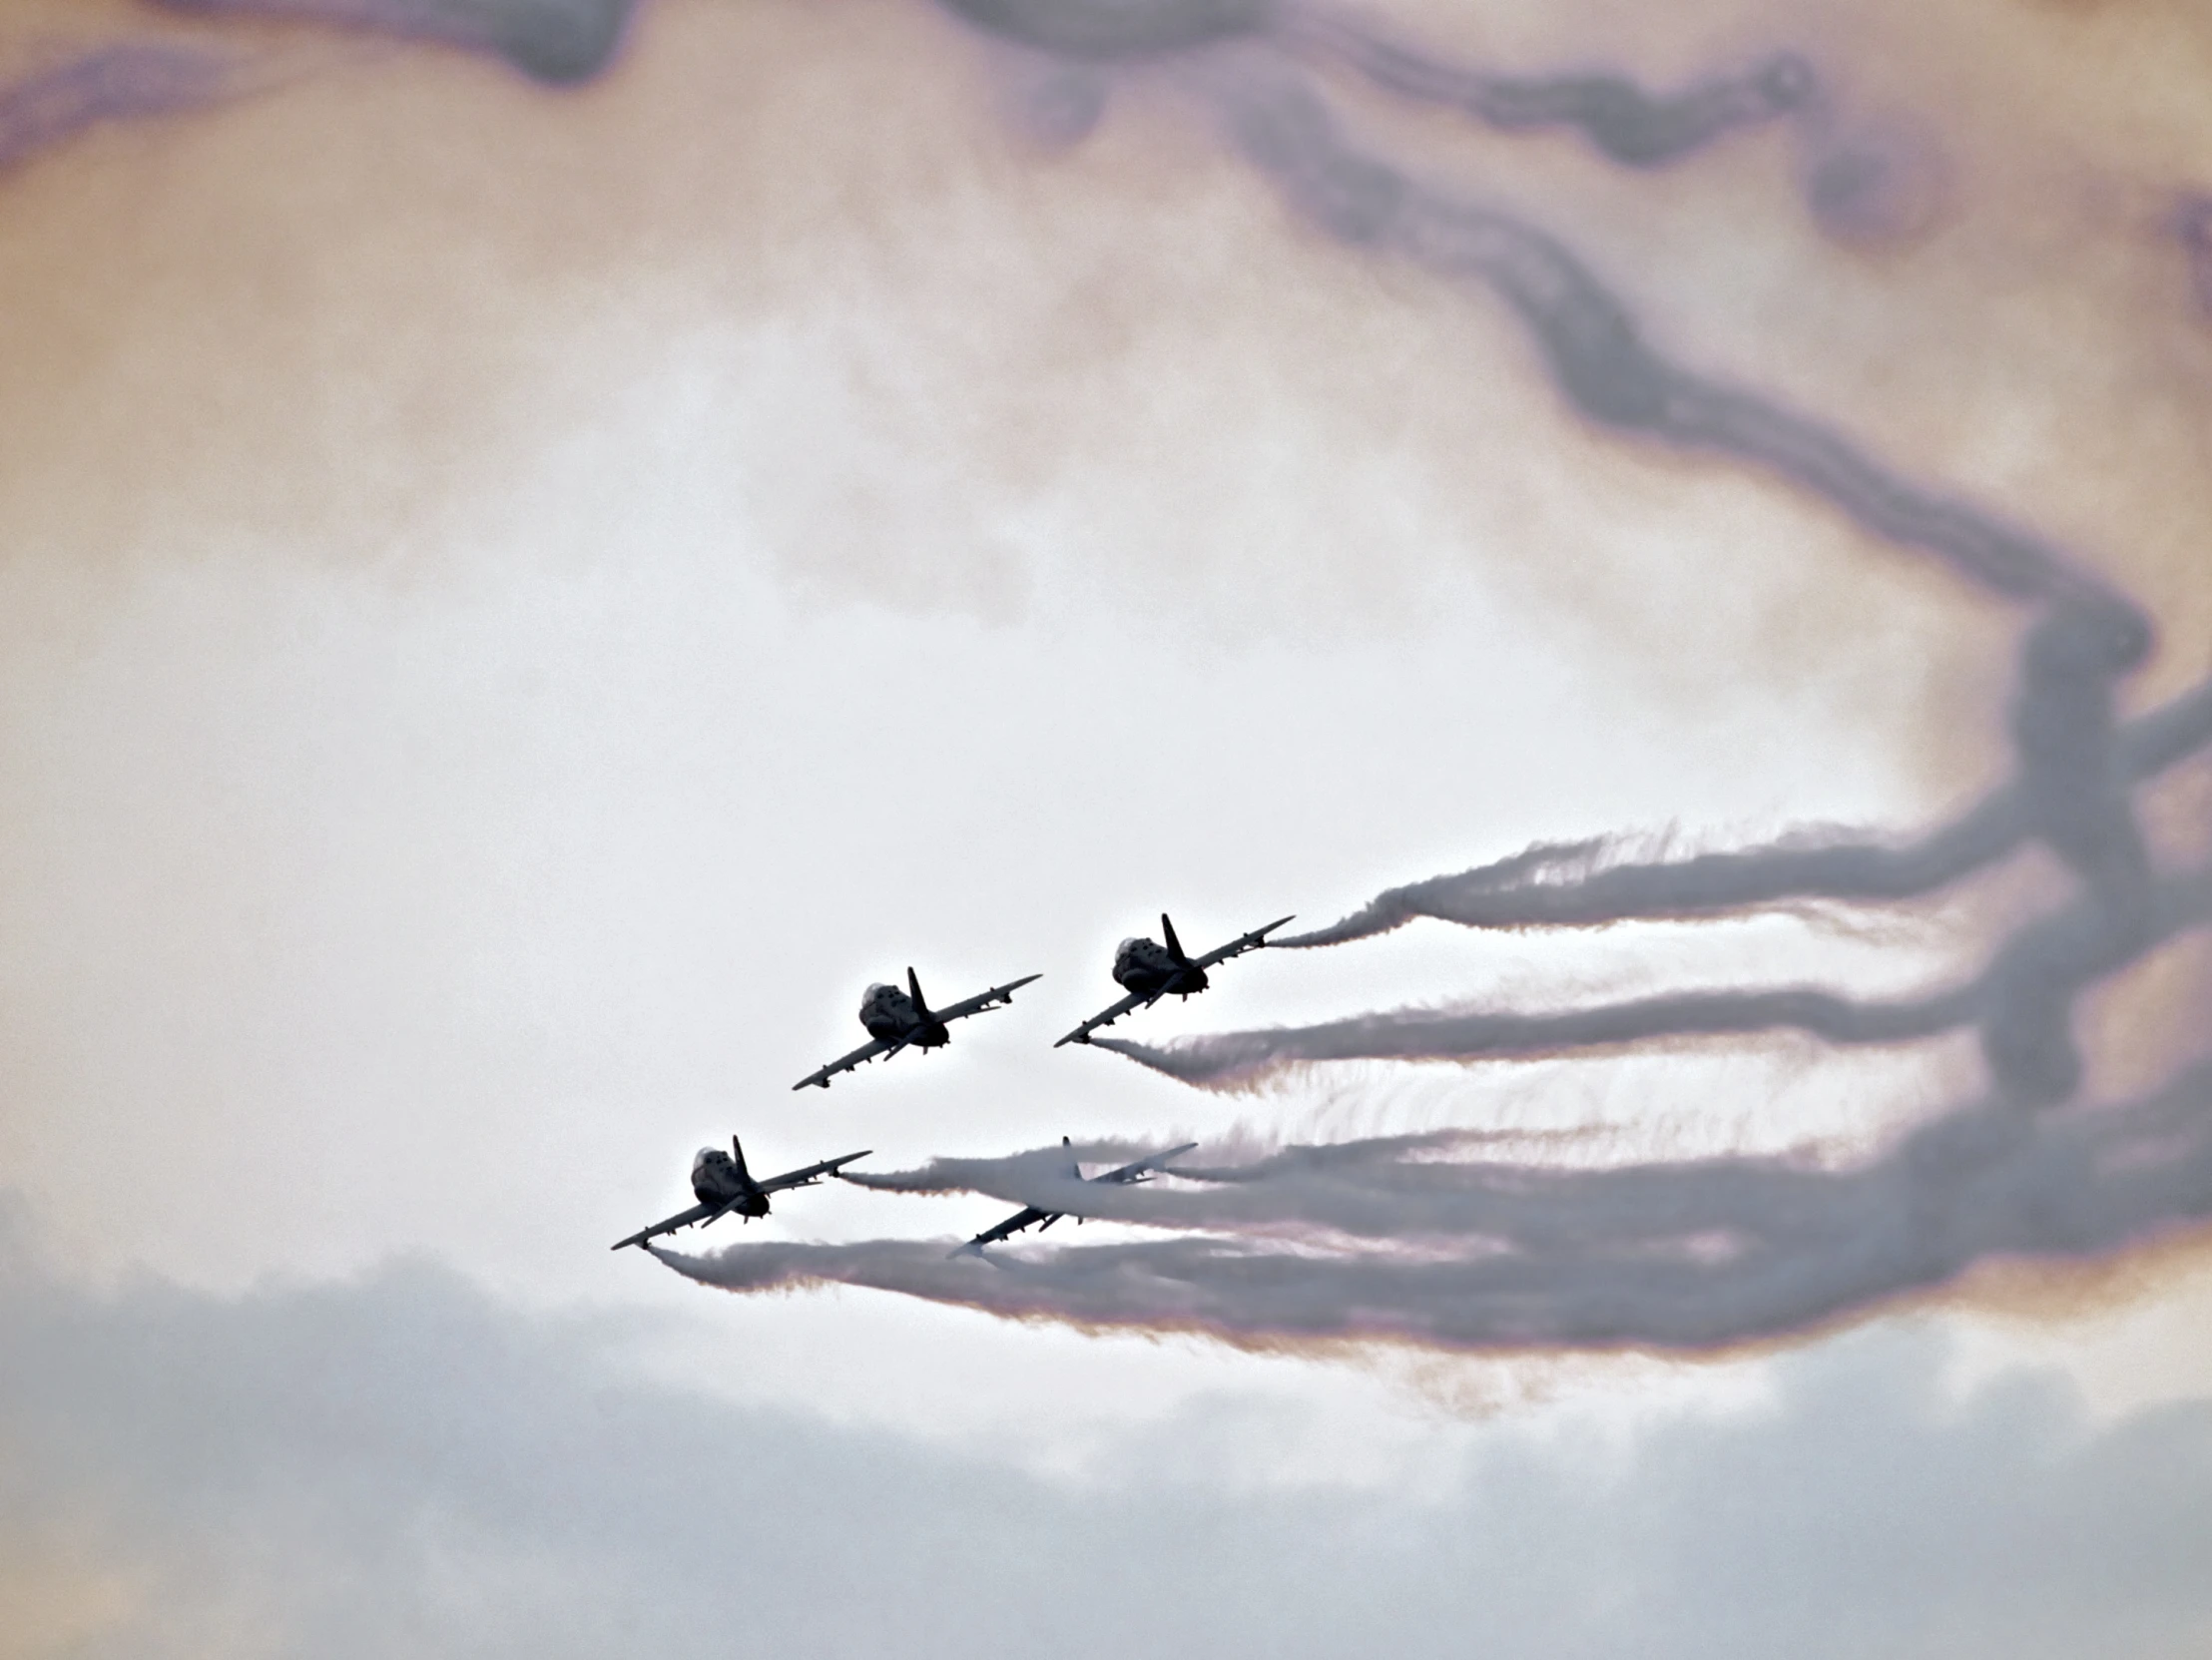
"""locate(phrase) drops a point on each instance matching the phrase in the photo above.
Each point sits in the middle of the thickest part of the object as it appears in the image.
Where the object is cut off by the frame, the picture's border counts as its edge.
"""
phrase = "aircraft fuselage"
(716, 1177)
(1149, 969)
(890, 1014)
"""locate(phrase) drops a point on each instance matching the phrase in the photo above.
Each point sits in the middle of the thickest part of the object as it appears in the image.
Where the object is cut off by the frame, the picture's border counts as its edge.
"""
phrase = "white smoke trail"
(1384, 1239)
(1585, 883)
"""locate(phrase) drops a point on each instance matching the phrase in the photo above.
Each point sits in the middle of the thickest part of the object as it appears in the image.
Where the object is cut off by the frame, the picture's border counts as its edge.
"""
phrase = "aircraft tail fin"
(1075, 1168)
(1167, 938)
(737, 1155)
(913, 987)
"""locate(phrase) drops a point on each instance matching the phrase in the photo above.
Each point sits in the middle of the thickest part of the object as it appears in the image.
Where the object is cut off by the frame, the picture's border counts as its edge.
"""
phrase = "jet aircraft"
(722, 1183)
(1030, 1215)
(899, 1020)
(1149, 972)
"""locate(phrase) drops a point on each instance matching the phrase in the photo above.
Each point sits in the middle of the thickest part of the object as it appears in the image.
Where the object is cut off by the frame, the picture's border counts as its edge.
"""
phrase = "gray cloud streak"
(559, 42)
(1588, 885)
(1621, 120)
(2192, 227)
(128, 80)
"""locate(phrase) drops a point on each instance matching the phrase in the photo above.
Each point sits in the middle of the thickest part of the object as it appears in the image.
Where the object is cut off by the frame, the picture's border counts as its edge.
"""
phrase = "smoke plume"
(128, 80)
(1396, 1238)
(558, 42)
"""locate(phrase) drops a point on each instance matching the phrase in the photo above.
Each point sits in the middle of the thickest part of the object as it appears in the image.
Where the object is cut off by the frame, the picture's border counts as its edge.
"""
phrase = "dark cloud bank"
(402, 1464)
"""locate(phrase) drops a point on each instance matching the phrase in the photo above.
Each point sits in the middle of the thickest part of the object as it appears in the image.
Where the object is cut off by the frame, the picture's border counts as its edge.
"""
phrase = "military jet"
(1149, 972)
(722, 1183)
(1030, 1215)
(897, 1019)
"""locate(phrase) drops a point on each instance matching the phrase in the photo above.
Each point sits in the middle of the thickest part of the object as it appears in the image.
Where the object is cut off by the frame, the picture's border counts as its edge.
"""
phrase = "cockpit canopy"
(1147, 953)
(1142, 965)
(886, 1012)
(708, 1157)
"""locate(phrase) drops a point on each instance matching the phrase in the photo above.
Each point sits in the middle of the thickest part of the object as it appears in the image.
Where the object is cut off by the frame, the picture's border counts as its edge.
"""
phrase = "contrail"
(2192, 227)
(1621, 120)
(1601, 363)
(2020, 1003)
(127, 81)
(559, 42)
(1383, 1240)
(1584, 884)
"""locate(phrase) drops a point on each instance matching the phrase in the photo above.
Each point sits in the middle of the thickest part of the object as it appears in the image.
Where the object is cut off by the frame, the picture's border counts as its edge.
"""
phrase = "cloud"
(400, 1463)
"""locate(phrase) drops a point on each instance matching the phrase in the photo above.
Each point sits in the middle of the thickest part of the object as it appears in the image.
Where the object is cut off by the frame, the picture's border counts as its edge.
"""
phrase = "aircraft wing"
(698, 1213)
(1082, 1033)
(1031, 1216)
(1028, 1216)
(1141, 1168)
(811, 1174)
(865, 1053)
(986, 999)
(1241, 943)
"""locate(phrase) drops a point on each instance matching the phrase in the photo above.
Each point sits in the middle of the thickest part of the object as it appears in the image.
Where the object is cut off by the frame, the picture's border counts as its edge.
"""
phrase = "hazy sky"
(530, 579)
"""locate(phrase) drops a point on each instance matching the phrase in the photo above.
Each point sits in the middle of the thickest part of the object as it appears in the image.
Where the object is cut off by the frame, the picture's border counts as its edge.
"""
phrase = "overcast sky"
(520, 600)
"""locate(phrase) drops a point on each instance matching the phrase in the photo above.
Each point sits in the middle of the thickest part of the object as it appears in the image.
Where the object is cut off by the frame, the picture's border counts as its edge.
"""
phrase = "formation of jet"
(1030, 1216)
(1149, 971)
(722, 1183)
(898, 1020)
